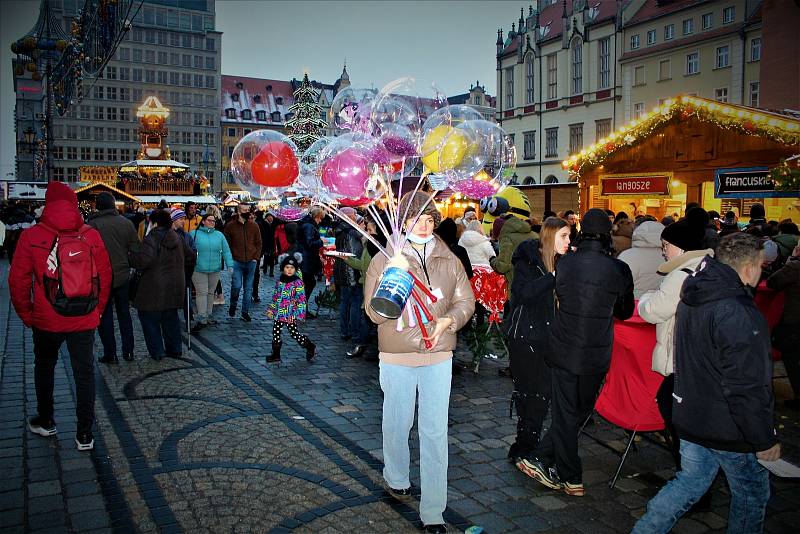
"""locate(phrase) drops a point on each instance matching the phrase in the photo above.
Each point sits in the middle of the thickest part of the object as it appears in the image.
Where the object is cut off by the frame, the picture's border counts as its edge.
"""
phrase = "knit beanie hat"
(348, 211)
(414, 202)
(177, 214)
(289, 259)
(105, 201)
(688, 233)
(595, 221)
(757, 211)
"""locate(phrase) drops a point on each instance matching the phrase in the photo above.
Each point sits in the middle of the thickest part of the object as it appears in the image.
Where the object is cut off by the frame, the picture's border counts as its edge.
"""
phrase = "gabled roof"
(256, 94)
(103, 185)
(653, 9)
(779, 127)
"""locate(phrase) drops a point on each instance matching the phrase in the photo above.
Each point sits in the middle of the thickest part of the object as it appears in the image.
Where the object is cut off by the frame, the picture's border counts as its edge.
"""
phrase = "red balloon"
(354, 203)
(275, 165)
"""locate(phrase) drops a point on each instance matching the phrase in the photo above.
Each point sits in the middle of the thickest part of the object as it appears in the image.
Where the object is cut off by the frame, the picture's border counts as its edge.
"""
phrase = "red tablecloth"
(628, 397)
(327, 263)
(489, 288)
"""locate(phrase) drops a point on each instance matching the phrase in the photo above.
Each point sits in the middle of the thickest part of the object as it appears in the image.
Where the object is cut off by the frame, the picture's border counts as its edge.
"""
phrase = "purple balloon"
(347, 173)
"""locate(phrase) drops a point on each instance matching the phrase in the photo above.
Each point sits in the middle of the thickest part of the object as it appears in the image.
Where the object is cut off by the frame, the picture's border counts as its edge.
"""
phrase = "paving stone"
(548, 503)
(39, 489)
(85, 503)
(51, 519)
(10, 500)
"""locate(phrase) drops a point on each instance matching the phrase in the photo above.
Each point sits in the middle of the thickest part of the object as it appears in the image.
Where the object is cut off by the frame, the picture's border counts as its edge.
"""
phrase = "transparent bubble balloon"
(351, 109)
(408, 102)
(354, 168)
(264, 163)
(496, 155)
(444, 146)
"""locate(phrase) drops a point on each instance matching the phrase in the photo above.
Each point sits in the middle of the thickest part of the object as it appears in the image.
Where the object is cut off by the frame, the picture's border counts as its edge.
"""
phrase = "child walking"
(287, 308)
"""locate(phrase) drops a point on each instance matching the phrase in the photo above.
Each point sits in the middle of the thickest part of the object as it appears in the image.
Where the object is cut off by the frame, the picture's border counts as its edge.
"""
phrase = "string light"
(683, 108)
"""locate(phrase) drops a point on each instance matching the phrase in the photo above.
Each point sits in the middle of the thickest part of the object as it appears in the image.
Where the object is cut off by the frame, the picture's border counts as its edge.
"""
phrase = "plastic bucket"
(392, 293)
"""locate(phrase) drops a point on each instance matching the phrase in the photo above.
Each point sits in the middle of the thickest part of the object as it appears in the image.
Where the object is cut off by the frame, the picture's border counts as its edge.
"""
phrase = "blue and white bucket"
(392, 293)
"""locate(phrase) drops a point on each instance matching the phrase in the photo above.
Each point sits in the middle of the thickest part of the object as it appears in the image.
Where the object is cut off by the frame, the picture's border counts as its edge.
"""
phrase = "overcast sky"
(450, 43)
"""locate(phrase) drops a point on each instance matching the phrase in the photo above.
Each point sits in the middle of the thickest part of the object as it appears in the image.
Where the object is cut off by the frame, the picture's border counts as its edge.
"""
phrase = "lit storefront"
(691, 149)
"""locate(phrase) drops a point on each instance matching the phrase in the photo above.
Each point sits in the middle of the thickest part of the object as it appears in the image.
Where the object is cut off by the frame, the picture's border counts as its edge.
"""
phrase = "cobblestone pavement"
(218, 441)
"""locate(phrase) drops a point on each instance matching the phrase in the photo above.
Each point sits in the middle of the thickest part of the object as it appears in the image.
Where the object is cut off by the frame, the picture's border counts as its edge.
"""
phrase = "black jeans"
(256, 278)
(531, 396)
(118, 299)
(81, 355)
(310, 282)
(573, 398)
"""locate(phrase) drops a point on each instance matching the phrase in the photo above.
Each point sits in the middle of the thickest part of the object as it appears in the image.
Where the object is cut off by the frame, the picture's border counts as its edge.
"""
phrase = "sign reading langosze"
(642, 185)
(751, 182)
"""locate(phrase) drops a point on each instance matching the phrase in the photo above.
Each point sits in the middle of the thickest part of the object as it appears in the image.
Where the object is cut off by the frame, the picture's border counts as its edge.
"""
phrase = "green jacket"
(361, 264)
(786, 244)
(514, 232)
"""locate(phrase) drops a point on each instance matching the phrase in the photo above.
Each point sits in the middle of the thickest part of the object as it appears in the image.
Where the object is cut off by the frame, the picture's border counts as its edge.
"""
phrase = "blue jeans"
(242, 271)
(747, 479)
(400, 385)
(350, 298)
(117, 299)
(162, 330)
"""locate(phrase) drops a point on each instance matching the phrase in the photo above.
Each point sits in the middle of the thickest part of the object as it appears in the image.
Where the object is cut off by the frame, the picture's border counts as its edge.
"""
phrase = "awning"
(102, 185)
(155, 163)
(178, 199)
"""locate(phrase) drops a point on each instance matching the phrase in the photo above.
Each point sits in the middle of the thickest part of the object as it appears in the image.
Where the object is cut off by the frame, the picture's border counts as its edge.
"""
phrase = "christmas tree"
(306, 123)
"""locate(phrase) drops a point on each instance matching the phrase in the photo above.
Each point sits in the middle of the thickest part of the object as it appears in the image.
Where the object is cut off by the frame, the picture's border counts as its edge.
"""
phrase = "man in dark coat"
(309, 244)
(119, 236)
(346, 278)
(591, 288)
(723, 401)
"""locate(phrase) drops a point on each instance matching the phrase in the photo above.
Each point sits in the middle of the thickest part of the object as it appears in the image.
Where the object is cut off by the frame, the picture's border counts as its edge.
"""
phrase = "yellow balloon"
(444, 148)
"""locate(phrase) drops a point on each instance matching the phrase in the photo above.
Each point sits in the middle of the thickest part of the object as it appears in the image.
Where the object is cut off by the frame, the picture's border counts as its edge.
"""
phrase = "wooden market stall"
(691, 149)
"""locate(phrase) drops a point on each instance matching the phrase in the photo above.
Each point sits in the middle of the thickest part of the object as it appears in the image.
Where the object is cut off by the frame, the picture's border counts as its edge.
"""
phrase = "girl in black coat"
(527, 328)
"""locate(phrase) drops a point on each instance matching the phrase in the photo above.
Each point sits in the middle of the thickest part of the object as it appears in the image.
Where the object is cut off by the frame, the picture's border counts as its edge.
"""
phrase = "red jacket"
(30, 260)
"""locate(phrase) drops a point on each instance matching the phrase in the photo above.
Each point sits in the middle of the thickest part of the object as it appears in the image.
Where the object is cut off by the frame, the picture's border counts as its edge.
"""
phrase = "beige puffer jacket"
(659, 306)
(447, 274)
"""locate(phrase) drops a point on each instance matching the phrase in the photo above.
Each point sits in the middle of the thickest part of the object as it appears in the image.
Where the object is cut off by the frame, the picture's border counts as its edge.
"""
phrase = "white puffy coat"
(659, 306)
(644, 257)
(478, 247)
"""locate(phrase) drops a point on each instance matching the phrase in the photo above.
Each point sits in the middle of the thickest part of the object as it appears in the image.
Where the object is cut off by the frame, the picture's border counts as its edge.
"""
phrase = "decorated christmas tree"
(306, 124)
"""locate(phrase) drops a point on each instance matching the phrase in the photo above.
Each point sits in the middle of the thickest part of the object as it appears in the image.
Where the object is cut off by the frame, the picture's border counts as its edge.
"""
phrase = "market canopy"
(178, 199)
(96, 188)
(171, 164)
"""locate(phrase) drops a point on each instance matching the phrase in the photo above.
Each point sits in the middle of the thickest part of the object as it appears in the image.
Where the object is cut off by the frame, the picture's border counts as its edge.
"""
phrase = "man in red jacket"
(51, 329)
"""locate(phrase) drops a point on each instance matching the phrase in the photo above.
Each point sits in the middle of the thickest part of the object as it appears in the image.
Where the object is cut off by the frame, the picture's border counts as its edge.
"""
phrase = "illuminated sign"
(637, 185)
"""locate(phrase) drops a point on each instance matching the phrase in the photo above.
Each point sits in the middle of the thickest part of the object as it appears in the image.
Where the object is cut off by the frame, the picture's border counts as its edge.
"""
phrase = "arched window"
(529, 79)
(576, 54)
(551, 179)
(529, 180)
(247, 115)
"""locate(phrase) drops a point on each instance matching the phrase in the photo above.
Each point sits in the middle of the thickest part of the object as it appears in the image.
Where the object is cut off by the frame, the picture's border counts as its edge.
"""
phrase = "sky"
(449, 43)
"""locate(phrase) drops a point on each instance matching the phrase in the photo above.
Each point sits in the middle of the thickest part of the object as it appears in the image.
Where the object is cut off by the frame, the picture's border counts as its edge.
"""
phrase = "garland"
(786, 176)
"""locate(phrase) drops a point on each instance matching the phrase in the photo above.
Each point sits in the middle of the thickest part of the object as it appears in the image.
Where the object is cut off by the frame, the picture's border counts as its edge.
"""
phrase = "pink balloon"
(347, 173)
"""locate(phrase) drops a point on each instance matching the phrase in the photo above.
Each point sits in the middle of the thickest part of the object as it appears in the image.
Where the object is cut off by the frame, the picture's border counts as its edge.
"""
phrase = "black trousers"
(268, 263)
(293, 331)
(786, 338)
(81, 354)
(531, 397)
(573, 398)
(310, 282)
(664, 401)
(256, 278)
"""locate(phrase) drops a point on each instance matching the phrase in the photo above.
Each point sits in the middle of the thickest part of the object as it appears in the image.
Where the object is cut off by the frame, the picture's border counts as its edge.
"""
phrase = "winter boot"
(275, 357)
(310, 350)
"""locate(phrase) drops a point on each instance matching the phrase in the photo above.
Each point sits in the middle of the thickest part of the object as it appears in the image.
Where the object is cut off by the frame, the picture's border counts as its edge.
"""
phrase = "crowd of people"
(568, 280)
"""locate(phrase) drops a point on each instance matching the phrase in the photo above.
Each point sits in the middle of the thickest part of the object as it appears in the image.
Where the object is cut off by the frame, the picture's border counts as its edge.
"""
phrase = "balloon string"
(379, 221)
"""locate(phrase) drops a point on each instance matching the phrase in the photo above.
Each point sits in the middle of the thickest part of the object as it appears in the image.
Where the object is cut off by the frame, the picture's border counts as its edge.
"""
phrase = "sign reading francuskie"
(642, 185)
(750, 182)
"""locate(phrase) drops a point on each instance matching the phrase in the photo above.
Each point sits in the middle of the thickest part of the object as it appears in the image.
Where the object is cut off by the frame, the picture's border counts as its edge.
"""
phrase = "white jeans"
(204, 285)
(400, 386)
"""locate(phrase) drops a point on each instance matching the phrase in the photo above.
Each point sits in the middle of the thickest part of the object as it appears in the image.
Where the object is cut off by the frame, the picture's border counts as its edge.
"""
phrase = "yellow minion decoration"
(510, 200)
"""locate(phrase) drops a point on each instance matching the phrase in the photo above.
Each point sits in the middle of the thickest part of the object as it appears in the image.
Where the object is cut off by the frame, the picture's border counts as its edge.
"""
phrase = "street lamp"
(29, 135)
(514, 179)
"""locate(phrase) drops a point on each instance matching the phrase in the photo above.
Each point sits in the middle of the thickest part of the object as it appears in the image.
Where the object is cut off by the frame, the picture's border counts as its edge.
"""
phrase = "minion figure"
(509, 201)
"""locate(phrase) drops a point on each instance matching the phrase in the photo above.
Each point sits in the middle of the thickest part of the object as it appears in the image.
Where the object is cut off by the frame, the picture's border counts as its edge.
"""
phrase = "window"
(58, 153)
(230, 113)
(125, 54)
(111, 93)
(688, 26)
(529, 93)
(174, 79)
(198, 62)
(638, 110)
(651, 37)
(163, 58)
(210, 44)
(198, 118)
(124, 94)
(162, 38)
(186, 79)
(602, 129)
(161, 76)
(72, 174)
(708, 21)
(125, 114)
(174, 59)
(638, 75)
(634, 41)
(186, 41)
(112, 154)
(186, 60)
(84, 112)
(552, 77)
(728, 15)
(231, 132)
(137, 55)
(112, 134)
(755, 88)
(721, 94)
(174, 39)
(261, 115)
(210, 82)
(124, 134)
(111, 73)
(198, 80)
(98, 92)
(72, 152)
(198, 138)
(86, 153)
(99, 154)
(575, 138)
(99, 113)
(137, 35)
(604, 53)
(137, 75)
(692, 63)
(529, 145)
(149, 56)
(210, 138)
(246, 115)
(150, 76)
(111, 114)
(197, 99)
(86, 132)
(669, 32)
(477, 100)
(577, 67)
(72, 131)
(124, 74)
(551, 142)
(99, 134)
(664, 69)
(755, 49)
(722, 57)
(510, 88)
(210, 63)
(58, 173)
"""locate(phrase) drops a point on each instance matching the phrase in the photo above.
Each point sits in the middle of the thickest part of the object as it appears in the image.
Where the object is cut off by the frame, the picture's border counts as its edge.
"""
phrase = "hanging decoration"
(786, 176)
(751, 121)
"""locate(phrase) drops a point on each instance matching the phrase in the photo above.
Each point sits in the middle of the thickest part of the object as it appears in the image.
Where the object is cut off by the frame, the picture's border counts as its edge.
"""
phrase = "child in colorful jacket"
(288, 307)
